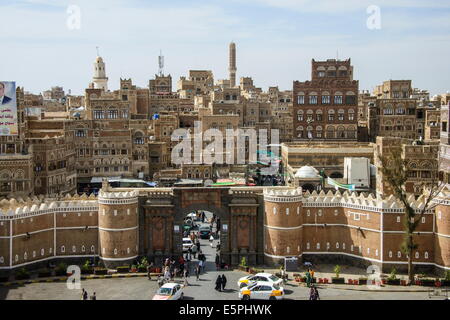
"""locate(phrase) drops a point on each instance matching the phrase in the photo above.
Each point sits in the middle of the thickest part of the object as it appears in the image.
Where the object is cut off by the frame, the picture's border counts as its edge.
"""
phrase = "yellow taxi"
(262, 290)
(262, 276)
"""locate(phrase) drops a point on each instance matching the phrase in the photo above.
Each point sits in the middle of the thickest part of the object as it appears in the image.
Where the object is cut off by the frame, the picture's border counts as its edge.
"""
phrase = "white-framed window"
(25, 256)
(115, 251)
(64, 215)
(439, 215)
(74, 249)
(63, 249)
(367, 216)
(34, 253)
(2, 260)
(368, 250)
(376, 252)
(351, 248)
(328, 245)
(128, 250)
(42, 251)
(16, 258)
(115, 212)
(92, 248)
(308, 212)
(128, 212)
(356, 216)
(390, 254)
(426, 254)
(360, 249)
(50, 250)
(90, 214)
(398, 218)
(336, 212)
(298, 210)
(318, 245)
(343, 246)
(287, 211)
(319, 212)
(79, 214)
(83, 248)
(337, 245)
(399, 254)
(417, 255)
(288, 249)
(307, 246)
(274, 210)
(423, 219)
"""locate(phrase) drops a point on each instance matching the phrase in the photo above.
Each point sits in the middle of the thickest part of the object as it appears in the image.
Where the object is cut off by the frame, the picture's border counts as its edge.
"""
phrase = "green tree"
(395, 173)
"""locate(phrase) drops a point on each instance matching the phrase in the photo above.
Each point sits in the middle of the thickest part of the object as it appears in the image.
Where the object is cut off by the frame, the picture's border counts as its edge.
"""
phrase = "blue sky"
(276, 40)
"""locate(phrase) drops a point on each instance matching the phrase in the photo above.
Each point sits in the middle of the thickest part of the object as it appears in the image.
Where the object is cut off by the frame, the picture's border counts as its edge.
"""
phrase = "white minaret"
(100, 80)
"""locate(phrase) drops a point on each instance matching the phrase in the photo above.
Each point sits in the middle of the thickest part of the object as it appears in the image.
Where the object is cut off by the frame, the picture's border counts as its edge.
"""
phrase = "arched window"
(63, 249)
(318, 245)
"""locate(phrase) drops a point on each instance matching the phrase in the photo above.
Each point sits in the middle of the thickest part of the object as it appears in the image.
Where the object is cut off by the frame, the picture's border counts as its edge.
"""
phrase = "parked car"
(262, 290)
(169, 291)
(187, 244)
(251, 279)
(204, 232)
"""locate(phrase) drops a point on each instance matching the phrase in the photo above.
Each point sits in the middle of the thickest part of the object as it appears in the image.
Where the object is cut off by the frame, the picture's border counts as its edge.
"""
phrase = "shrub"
(393, 274)
(61, 269)
(337, 270)
(447, 275)
(22, 274)
(44, 272)
(243, 262)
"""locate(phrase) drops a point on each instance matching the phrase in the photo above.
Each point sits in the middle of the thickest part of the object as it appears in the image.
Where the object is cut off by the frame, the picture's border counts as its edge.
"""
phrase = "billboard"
(8, 109)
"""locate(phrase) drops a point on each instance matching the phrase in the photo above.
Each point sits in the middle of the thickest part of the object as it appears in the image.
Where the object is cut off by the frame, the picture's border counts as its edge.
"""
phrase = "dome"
(307, 172)
(98, 60)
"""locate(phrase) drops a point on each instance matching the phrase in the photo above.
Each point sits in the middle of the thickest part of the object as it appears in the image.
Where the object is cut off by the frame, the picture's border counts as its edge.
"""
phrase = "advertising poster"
(8, 109)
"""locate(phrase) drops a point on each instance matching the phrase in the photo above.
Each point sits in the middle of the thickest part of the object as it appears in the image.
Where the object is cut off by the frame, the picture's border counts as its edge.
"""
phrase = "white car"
(187, 244)
(169, 291)
(250, 279)
(262, 290)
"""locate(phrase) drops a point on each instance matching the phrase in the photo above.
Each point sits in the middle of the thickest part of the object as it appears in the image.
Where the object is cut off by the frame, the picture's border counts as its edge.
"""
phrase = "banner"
(8, 109)
(336, 184)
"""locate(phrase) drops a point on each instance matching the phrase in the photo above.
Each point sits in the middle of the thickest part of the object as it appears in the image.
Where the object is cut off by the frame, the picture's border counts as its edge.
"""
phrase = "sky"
(45, 43)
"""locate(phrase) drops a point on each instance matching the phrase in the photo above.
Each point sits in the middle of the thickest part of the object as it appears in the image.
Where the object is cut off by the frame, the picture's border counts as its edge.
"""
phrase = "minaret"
(100, 80)
(232, 65)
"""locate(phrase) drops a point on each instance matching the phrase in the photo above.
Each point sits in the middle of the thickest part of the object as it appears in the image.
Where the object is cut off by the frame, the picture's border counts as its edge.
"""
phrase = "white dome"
(307, 172)
(99, 60)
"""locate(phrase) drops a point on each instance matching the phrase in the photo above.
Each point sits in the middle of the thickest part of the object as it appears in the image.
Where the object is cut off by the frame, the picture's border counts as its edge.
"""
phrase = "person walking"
(83, 294)
(197, 272)
(316, 293)
(94, 297)
(197, 242)
(200, 266)
(211, 240)
(185, 276)
(219, 283)
(224, 282)
(217, 262)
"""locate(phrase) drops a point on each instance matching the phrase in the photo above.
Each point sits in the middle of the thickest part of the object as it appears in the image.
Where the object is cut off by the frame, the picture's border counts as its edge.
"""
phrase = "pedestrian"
(160, 281)
(316, 293)
(94, 297)
(218, 247)
(211, 240)
(82, 294)
(312, 276)
(185, 276)
(224, 282)
(200, 266)
(197, 272)
(85, 295)
(217, 262)
(219, 283)
(308, 279)
(194, 251)
(197, 242)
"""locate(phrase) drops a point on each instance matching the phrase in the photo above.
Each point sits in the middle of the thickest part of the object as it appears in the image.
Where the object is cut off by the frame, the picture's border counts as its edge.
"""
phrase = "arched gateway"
(241, 213)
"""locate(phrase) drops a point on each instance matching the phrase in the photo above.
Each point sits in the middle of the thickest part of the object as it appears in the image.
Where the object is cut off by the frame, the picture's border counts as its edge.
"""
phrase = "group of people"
(84, 295)
(221, 282)
(314, 293)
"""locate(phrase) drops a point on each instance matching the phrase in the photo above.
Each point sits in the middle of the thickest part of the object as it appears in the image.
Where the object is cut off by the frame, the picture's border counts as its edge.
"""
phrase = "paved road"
(202, 289)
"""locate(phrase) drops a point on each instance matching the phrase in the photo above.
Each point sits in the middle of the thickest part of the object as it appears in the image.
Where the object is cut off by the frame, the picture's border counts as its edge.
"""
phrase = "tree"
(395, 172)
